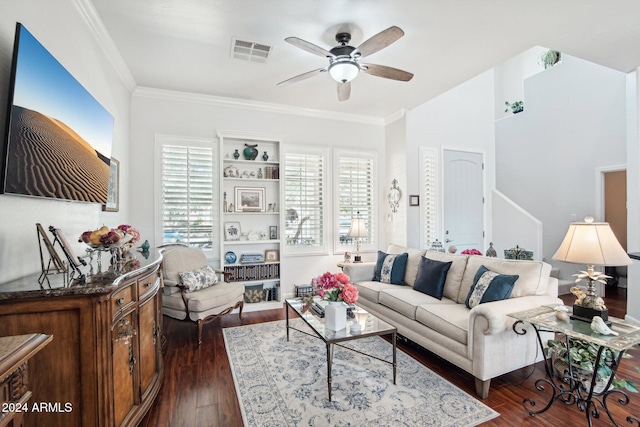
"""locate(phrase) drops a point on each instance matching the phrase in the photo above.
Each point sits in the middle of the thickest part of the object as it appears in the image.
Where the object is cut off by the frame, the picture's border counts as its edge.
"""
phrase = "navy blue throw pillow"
(431, 277)
(391, 268)
(489, 286)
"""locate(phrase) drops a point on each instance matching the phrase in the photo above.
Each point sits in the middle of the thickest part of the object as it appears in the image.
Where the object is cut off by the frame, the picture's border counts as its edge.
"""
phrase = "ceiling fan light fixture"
(343, 70)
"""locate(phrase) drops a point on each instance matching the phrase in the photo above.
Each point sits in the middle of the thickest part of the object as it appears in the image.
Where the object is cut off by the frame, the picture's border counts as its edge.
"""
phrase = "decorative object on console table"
(491, 252)
(591, 243)
(113, 193)
(518, 253)
(358, 230)
(249, 199)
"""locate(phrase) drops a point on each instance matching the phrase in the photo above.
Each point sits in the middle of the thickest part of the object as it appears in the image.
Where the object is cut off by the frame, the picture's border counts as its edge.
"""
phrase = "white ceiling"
(185, 45)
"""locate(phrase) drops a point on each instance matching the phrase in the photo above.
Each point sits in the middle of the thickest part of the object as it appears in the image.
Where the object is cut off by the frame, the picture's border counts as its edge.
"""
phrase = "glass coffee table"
(369, 324)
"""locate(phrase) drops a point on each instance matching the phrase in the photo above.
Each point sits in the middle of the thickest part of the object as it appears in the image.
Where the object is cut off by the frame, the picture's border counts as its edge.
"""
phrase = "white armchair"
(203, 303)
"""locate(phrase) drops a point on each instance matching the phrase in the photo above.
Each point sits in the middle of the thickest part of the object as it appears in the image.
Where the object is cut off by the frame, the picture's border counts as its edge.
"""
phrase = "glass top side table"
(573, 386)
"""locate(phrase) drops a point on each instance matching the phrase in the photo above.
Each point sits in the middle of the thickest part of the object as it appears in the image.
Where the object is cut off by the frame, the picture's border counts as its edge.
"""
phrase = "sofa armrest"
(496, 313)
(359, 271)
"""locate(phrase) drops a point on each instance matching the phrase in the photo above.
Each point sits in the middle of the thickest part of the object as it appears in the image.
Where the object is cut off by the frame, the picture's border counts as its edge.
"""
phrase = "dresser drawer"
(147, 284)
(121, 300)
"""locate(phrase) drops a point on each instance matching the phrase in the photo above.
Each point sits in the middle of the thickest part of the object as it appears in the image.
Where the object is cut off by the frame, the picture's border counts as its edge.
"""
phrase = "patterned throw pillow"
(199, 279)
(391, 268)
(489, 286)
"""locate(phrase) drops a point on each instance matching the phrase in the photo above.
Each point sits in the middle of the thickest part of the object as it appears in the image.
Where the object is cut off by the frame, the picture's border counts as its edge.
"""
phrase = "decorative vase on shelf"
(236, 154)
(335, 316)
(265, 156)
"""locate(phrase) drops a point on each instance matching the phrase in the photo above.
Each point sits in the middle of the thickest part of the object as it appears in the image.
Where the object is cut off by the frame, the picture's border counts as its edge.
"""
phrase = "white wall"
(574, 122)
(462, 118)
(59, 26)
(169, 113)
(395, 168)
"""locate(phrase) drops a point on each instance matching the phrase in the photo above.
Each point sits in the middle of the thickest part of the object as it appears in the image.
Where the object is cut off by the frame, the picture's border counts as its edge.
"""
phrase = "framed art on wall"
(249, 199)
(113, 194)
(414, 200)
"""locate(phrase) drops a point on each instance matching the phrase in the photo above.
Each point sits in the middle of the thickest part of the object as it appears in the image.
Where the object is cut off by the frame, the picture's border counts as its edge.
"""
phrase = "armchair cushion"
(199, 278)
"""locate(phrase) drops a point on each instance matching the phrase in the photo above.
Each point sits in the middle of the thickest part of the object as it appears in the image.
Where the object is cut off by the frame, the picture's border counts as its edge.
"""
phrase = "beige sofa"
(479, 340)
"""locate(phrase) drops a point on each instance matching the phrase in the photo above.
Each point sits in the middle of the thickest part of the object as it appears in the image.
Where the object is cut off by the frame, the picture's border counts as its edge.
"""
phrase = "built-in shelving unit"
(251, 192)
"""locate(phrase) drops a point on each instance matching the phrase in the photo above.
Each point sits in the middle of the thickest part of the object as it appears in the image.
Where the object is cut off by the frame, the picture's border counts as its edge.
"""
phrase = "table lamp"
(358, 230)
(591, 243)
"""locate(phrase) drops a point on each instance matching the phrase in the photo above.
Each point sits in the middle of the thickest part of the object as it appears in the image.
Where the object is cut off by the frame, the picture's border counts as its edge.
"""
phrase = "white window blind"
(304, 194)
(187, 207)
(429, 208)
(356, 195)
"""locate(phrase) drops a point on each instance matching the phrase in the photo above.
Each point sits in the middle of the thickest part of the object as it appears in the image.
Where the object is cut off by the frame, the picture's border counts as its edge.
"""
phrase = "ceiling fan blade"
(380, 41)
(344, 91)
(302, 76)
(309, 47)
(386, 72)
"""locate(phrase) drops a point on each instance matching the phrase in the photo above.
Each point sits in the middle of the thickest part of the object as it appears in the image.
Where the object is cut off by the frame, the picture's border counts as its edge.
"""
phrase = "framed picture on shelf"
(249, 199)
(232, 231)
(273, 232)
(271, 255)
(113, 193)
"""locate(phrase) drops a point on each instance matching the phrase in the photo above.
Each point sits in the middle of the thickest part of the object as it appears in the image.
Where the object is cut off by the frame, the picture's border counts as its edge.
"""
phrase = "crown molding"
(395, 116)
(219, 101)
(90, 16)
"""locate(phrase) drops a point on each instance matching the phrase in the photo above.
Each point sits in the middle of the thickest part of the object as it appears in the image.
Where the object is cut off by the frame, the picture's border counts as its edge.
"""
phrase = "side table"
(572, 388)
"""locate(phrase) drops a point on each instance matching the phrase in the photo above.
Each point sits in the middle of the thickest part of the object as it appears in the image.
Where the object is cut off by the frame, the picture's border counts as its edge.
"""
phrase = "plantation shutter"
(305, 202)
(356, 195)
(187, 212)
(429, 208)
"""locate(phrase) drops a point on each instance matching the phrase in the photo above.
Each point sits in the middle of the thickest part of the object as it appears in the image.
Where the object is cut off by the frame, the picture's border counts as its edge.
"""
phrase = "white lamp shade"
(343, 71)
(358, 228)
(592, 244)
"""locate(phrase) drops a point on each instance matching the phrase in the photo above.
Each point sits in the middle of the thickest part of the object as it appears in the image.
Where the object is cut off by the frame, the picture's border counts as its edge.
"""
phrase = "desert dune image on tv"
(59, 136)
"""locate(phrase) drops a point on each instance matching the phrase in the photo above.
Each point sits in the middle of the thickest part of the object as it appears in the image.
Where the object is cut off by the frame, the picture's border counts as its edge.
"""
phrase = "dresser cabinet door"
(124, 362)
(149, 339)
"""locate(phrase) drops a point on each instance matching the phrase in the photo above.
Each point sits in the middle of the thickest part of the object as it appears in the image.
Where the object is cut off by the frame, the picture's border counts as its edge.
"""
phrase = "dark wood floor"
(198, 387)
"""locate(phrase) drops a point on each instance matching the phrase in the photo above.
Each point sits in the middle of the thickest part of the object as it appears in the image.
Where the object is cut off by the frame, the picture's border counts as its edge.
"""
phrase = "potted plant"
(582, 357)
(516, 107)
(550, 58)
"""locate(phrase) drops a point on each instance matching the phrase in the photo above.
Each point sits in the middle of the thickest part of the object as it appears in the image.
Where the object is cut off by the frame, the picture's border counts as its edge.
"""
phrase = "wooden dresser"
(104, 366)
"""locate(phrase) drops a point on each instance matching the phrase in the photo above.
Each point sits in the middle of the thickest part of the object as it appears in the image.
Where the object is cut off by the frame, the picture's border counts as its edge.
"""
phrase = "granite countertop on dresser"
(100, 283)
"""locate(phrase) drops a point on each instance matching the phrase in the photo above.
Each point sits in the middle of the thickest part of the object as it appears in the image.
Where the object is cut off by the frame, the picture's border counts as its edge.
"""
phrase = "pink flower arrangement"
(128, 229)
(471, 252)
(335, 287)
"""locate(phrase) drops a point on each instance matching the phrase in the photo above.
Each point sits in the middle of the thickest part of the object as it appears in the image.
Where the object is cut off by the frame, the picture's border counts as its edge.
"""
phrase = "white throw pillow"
(199, 279)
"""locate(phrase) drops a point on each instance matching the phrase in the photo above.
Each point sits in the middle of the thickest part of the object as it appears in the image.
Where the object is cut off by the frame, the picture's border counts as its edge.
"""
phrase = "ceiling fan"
(344, 60)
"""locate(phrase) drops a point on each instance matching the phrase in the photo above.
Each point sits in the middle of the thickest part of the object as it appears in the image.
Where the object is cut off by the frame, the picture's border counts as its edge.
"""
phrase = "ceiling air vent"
(250, 51)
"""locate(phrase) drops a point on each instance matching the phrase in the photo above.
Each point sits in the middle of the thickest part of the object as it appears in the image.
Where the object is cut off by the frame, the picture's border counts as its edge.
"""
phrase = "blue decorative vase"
(236, 155)
(265, 156)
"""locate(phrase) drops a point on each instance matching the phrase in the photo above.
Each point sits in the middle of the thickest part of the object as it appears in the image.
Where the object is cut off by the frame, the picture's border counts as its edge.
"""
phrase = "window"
(429, 206)
(187, 213)
(356, 197)
(304, 195)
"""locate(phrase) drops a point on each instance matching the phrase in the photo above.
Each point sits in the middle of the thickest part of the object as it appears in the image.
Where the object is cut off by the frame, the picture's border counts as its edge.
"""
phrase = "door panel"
(463, 200)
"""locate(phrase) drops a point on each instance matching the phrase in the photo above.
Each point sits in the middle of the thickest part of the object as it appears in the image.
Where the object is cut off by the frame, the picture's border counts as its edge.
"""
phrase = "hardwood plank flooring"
(198, 387)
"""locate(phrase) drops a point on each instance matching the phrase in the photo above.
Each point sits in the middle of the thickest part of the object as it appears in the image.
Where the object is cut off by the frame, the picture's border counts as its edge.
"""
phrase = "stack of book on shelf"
(240, 273)
(272, 172)
(251, 258)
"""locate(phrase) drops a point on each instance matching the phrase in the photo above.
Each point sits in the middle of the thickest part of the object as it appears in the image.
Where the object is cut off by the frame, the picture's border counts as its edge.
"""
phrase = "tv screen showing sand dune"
(58, 142)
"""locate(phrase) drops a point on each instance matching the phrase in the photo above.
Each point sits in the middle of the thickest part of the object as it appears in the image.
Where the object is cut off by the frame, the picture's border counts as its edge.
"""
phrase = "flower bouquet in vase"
(336, 290)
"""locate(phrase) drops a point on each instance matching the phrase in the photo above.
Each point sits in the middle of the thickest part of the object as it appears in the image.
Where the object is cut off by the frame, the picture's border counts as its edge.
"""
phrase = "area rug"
(282, 383)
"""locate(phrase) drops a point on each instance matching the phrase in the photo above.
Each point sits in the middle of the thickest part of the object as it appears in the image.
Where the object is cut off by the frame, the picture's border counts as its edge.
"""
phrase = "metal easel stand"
(54, 265)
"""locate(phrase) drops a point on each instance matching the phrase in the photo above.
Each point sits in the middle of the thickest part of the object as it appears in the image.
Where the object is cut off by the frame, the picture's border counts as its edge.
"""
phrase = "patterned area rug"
(282, 383)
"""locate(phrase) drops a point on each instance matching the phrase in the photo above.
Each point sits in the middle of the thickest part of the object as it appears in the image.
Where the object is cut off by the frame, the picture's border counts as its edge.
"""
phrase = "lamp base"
(586, 314)
(357, 258)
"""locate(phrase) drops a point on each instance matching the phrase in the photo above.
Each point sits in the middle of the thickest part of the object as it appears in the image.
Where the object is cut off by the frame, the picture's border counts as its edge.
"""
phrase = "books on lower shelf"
(245, 273)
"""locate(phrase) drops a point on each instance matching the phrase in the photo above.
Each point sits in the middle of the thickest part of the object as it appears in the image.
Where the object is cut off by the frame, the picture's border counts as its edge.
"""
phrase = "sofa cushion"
(455, 274)
(449, 319)
(405, 300)
(534, 275)
(413, 262)
(431, 277)
(199, 278)
(371, 290)
(489, 286)
(390, 268)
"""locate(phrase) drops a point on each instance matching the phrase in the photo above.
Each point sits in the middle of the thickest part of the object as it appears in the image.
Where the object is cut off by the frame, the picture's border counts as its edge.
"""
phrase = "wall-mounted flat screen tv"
(58, 137)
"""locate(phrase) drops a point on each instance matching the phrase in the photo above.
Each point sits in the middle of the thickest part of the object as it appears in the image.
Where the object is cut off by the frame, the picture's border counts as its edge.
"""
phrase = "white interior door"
(463, 200)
